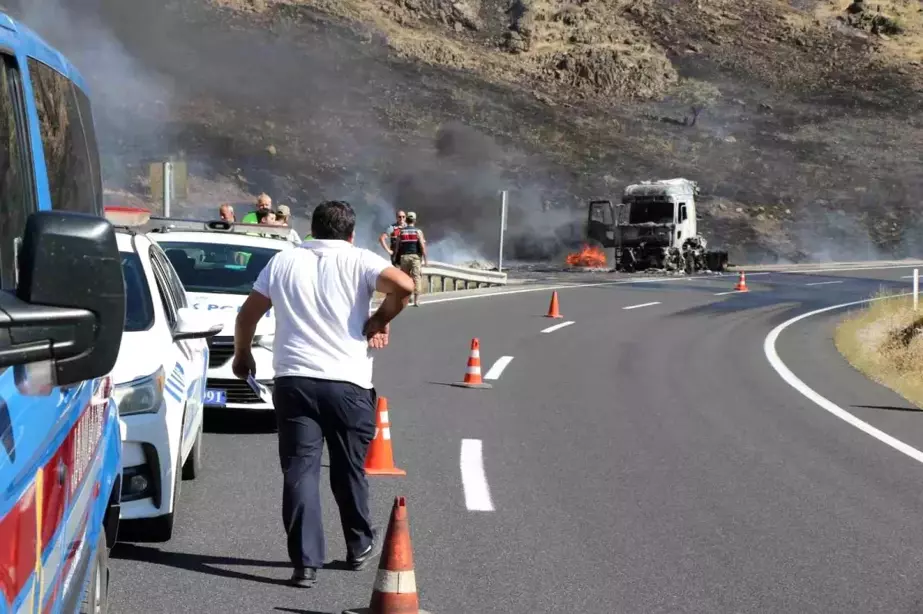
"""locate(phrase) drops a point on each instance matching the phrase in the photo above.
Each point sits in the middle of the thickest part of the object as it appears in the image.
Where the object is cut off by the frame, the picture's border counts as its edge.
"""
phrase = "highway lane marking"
(642, 305)
(847, 269)
(497, 370)
(823, 283)
(551, 329)
(726, 293)
(474, 482)
(769, 348)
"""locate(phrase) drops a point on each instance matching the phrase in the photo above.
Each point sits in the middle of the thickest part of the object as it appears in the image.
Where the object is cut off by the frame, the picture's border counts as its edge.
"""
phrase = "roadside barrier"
(395, 590)
(473, 371)
(380, 457)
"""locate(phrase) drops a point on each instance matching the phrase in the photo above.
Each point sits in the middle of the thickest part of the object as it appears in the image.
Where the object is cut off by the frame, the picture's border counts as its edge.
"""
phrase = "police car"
(218, 262)
(159, 380)
(62, 307)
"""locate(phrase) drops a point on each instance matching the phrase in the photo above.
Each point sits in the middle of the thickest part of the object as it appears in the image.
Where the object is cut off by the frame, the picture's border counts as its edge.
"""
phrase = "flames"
(588, 257)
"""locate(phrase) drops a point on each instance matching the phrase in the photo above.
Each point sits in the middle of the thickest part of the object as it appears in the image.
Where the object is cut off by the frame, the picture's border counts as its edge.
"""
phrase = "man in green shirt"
(263, 203)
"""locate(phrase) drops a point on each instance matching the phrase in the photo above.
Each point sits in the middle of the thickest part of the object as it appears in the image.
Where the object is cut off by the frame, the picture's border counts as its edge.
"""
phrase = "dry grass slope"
(885, 342)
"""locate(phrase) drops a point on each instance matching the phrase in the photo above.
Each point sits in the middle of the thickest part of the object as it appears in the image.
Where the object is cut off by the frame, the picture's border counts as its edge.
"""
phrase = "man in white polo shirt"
(321, 293)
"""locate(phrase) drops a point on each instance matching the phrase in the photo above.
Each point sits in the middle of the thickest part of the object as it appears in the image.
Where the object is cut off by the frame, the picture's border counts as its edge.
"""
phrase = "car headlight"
(265, 341)
(141, 396)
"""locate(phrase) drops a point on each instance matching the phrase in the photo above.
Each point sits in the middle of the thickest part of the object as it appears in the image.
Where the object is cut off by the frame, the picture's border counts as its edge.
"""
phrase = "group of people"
(264, 214)
(406, 245)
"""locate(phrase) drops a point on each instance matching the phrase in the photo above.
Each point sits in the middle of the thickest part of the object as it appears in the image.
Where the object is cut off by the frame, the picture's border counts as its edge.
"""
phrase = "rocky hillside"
(800, 120)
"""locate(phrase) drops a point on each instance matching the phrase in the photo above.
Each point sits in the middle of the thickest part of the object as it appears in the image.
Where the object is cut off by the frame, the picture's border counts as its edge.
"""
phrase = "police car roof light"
(129, 217)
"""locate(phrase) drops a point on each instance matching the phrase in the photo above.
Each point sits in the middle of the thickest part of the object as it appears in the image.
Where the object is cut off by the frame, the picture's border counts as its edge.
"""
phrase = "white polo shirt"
(321, 294)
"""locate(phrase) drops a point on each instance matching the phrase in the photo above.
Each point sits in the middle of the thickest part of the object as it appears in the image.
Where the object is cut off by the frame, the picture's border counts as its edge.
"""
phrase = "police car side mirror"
(68, 310)
(194, 324)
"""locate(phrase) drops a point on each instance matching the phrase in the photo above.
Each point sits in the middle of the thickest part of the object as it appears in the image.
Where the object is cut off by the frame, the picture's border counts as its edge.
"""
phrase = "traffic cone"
(553, 309)
(380, 458)
(742, 283)
(395, 590)
(473, 372)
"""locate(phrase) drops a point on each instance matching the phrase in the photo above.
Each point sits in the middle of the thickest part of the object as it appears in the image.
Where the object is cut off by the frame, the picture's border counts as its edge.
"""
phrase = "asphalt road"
(647, 459)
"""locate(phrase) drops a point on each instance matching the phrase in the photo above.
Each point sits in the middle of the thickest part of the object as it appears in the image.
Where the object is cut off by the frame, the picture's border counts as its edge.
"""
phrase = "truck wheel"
(193, 466)
(96, 595)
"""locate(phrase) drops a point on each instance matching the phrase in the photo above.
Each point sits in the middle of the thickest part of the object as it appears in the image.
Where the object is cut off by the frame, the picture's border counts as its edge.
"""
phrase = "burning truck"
(654, 227)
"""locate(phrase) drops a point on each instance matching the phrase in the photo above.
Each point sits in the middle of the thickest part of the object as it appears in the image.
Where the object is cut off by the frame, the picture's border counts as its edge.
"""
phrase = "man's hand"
(377, 334)
(243, 365)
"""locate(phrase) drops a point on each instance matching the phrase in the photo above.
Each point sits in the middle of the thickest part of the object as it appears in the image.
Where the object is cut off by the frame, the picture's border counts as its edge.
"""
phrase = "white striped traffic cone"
(473, 372)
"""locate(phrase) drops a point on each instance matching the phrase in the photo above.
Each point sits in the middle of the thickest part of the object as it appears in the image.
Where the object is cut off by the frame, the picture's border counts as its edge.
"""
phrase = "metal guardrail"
(441, 277)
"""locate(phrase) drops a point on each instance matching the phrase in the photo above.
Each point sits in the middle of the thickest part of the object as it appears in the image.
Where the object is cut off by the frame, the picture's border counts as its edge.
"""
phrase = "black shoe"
(360, 561)
(304, 577)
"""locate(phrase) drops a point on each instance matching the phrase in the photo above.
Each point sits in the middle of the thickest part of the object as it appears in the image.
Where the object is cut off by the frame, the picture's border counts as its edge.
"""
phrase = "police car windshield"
(139, 309)
(217, 268)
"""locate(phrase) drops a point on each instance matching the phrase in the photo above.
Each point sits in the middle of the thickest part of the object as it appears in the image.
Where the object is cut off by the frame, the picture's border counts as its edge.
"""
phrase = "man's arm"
(397, 287)
(254, 308)
(385, 242)
(422, 247)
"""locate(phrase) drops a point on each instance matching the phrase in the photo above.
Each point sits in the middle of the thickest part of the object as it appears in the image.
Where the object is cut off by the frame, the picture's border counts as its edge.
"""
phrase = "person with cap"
(321, 294)
(388, 239)
(411, 254)
(284, 218)
(263, 203)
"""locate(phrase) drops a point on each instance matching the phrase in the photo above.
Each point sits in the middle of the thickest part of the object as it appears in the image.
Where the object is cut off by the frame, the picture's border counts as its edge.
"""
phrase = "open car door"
(601, 223)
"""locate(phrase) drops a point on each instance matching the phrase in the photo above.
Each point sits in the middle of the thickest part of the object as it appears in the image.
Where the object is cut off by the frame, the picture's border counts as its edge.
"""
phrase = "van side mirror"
(194, 324)
(69, 307)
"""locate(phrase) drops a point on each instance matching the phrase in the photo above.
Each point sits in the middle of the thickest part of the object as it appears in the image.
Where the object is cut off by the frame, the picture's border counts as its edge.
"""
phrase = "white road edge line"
(642, 305)
(847, 269)
(497, 370)
(474, 482)
(823, 283)
(551, 329)
(769, 348)
(726, 293)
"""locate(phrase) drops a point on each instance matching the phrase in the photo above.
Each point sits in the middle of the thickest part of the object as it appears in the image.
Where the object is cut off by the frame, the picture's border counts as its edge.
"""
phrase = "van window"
(16, 196)
(70, 174)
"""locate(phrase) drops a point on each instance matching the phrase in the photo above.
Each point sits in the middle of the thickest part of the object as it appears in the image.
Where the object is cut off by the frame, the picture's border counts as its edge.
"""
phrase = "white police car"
(159, 382)
(218, 263)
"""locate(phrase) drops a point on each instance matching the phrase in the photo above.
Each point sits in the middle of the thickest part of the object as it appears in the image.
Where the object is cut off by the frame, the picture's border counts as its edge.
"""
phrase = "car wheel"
(96, 595)
(193, 466)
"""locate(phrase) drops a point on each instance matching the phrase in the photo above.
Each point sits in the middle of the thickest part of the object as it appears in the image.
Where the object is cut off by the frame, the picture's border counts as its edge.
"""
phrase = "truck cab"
(62, 309)
(654, 226)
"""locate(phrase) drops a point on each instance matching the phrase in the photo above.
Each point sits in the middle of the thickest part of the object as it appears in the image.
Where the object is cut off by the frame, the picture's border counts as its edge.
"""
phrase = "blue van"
(62, 308)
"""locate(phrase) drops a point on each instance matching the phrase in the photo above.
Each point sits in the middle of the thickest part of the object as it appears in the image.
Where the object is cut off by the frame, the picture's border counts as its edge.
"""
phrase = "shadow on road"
(294, 611)
(887, 407)
(201, 563)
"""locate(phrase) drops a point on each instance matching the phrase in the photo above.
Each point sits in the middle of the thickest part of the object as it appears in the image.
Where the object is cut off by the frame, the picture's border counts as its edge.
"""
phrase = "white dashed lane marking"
(642, 305)
(497, 370)
(474, 482)
(551, 329)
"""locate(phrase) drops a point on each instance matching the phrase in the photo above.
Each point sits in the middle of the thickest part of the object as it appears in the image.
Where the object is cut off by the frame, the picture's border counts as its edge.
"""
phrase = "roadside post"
(503, 201)
(916, 288)
(167, 187)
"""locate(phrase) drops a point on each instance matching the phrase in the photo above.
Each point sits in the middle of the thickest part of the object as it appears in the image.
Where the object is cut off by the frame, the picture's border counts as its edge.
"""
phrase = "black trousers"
(310, 411)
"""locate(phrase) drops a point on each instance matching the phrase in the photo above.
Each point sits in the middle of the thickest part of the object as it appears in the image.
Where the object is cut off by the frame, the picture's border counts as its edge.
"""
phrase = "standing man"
(388, 239)
(226, 212)
(263, 203)
(284, 218)
(322, 293)
(411, 255)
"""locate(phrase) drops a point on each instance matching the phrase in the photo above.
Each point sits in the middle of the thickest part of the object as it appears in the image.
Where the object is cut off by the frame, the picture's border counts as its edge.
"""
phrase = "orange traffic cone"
(395, 590)
(380, 458)
(742, 283)
(553, 309)
(473, 372)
